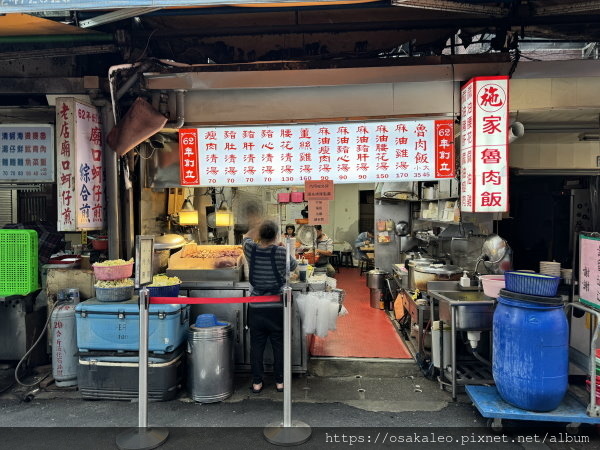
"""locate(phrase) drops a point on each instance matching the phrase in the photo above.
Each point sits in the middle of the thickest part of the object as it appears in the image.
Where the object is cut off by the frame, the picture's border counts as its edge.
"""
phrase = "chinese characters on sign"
(318, 190)
(188, 158)
(27, 153)
(484, 145)
(318, 212)
(340, 152)
(79, 166)
(589, 270)
(58, 348)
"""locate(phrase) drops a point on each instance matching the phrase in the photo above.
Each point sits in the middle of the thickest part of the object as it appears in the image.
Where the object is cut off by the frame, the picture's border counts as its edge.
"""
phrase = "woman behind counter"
(267, 277)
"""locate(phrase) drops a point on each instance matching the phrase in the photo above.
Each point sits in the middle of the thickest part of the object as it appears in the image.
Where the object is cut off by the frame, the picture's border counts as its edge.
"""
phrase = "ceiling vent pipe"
(515, 131)
(179, 110)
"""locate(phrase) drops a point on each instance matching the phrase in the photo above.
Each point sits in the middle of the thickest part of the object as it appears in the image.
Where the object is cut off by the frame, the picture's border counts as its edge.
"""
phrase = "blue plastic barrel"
(531, 354)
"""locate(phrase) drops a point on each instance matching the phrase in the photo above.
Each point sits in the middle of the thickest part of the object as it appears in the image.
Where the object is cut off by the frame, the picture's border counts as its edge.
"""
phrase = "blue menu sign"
(27, 153)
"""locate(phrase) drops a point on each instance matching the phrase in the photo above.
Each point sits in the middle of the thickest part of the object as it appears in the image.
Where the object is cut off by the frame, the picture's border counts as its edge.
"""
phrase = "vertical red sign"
(189, 172)
(444, 149)
(484, 145)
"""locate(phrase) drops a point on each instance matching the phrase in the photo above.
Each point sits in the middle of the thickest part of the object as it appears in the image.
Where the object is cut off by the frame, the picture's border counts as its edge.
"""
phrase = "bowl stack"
(114, 283)
(550, 268)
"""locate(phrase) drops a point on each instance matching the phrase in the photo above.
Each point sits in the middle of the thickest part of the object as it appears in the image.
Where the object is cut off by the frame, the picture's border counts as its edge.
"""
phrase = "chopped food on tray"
(164, 280)
(125, 282)
(204, 251)
(113, 262)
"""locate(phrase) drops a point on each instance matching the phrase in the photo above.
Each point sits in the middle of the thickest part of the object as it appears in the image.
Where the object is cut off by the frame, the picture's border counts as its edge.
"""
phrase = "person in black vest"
(267, 277)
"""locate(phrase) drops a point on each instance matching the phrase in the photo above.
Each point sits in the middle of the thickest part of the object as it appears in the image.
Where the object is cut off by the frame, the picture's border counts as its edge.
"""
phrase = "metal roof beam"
(444, 5)
(115, 16)
(568, 8)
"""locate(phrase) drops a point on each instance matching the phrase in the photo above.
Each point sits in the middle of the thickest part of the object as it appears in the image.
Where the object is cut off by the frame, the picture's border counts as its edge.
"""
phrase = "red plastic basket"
(109, 273)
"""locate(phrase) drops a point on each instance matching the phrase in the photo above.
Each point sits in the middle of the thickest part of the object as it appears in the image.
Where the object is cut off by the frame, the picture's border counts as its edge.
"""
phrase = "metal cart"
(571, 411)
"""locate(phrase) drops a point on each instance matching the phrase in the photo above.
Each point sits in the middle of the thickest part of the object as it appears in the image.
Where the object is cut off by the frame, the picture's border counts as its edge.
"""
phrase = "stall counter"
(237, 314)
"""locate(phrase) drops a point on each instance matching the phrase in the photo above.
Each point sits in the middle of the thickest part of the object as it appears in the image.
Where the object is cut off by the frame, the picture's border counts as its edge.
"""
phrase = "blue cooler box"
(115, 326)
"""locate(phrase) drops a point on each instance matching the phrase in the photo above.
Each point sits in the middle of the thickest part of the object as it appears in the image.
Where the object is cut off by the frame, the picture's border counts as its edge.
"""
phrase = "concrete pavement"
(352, 401)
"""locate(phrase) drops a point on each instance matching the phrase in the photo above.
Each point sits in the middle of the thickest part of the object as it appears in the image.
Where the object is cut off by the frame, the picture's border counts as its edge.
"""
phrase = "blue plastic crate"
(531, 283)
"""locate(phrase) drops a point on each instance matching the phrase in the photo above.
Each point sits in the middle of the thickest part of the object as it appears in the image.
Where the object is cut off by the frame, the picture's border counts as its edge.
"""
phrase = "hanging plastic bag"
(343, 311)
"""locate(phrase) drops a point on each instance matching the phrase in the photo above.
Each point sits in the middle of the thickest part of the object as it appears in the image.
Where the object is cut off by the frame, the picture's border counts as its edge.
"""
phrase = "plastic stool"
(366, 264)
(346, 260)
(335, 261)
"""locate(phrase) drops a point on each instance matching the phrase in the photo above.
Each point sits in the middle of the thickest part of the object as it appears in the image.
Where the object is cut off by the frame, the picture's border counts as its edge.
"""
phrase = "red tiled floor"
(365, 332)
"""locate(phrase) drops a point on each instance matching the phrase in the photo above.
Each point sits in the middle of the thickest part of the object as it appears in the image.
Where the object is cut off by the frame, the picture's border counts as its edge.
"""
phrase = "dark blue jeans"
(266, 323)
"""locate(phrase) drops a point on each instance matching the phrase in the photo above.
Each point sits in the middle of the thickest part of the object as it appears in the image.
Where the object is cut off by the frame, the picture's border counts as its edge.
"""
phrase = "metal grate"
(8, 213)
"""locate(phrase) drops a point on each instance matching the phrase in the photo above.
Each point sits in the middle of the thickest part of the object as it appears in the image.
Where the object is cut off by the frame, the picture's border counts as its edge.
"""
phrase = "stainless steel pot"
(426, 273)
(412, 263)
(376, 278)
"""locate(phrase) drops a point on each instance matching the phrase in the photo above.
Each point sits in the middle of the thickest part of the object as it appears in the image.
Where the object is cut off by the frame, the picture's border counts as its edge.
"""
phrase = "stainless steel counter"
(470, 311)
(237, 314)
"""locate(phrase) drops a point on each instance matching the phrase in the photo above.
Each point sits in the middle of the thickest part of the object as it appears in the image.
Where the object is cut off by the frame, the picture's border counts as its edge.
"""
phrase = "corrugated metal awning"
(24, 24)
(26, 6)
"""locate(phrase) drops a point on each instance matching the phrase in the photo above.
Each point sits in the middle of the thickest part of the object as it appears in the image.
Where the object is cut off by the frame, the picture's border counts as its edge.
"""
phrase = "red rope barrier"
(209, 300)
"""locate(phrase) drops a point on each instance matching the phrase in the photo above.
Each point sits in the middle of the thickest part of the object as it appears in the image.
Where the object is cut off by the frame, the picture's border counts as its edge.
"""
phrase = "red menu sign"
(188, 158)
(318, 212)
(349, 152)
(318, 190)
(484, 145)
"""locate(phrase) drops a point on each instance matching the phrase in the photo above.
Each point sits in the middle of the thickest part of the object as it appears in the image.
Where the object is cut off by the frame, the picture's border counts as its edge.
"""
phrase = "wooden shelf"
(448, 222)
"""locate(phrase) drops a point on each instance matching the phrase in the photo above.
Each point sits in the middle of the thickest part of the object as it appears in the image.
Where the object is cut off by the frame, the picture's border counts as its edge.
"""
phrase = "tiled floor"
(365, 332)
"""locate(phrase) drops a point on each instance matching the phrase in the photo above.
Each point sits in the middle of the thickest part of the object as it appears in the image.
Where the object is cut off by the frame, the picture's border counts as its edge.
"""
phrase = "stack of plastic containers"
(531, 340)
(114, 284)
(108, 344)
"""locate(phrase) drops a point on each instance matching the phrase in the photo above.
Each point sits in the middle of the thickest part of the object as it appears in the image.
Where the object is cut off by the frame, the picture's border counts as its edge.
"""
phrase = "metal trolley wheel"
(573, 428)
(495, 424)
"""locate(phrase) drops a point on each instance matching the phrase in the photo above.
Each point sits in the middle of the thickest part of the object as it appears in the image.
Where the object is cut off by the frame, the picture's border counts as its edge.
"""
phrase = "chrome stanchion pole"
(142, 437)
(289, 432)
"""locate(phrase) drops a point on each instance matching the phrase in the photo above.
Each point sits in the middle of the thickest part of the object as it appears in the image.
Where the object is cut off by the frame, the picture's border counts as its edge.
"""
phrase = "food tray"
(110, 273)
(228, 274)
(114, 294)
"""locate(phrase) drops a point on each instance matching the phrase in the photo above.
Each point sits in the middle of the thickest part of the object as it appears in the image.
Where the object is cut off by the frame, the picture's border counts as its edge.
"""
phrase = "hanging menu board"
(589, 269)
(80, 186)
(342, 152)
(27, 153)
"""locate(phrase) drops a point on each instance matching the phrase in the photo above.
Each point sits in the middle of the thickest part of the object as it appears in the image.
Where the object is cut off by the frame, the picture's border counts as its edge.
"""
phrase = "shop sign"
(589, 270)
(318, 190)
(318, 212)
(27, 153)
(349, 152)
(80, 186)
(188, 158)
(484, 145)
